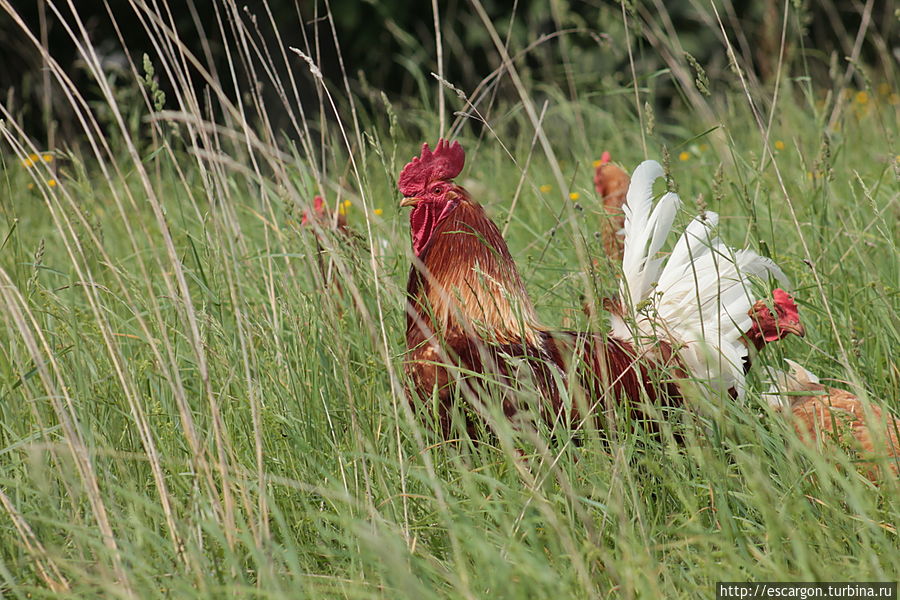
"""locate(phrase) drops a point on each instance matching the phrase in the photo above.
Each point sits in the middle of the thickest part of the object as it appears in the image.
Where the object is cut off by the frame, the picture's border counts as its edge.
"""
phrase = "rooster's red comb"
(445, 162)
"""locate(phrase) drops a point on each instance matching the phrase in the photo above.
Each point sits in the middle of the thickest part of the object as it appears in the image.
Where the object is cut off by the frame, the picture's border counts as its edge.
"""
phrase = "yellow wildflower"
(48, 158)
(862, 97)
(684, 156)
(378, 211)
(347, 203)
(597, 163)
(30, 186)
(779, 145)
(34, 158)
(574, 196)
(545, 188)
(51, 182)
(27, 163)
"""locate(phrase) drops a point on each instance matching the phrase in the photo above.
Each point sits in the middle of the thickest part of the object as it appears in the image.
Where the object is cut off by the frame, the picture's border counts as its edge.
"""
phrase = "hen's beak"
(409, 201)
(795, 327)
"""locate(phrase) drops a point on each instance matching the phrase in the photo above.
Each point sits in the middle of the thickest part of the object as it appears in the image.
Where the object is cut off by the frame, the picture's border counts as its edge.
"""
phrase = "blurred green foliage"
(390, 46)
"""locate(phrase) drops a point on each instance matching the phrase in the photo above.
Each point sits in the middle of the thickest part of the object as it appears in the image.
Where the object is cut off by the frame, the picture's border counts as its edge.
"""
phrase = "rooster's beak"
(409, 201)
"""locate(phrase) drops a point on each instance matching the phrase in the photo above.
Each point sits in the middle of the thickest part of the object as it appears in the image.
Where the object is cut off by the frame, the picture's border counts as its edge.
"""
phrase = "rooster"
(611, 184)
(823, 414)
(676, 319)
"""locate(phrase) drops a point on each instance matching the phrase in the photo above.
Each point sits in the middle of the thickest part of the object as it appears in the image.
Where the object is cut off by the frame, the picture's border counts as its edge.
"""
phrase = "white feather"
(700, 294)
(778, 383)
(646, 229)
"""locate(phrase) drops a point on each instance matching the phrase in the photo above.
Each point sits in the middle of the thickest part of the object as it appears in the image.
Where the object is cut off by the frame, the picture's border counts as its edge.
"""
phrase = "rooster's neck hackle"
(468, 283)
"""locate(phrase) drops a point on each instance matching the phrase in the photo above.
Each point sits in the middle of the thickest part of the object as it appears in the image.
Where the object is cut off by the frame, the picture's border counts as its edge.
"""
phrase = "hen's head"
(318, 211)
(773, 324)
(323, 218)
(426, 184)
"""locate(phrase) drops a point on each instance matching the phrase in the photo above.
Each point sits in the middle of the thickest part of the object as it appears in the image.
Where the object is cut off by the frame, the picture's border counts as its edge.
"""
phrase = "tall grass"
(202, 398)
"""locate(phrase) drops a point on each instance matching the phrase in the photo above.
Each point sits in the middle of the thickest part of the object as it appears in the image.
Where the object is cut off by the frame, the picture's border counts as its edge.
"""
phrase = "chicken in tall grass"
(824, 416)
(611, 183)
(471, 324)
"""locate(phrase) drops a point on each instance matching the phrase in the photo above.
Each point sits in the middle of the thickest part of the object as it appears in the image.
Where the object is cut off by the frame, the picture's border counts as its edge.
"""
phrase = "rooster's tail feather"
(646, 229)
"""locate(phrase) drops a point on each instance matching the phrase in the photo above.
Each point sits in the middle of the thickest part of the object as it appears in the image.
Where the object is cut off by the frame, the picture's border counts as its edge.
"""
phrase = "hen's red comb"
(445, 162)
(786, 302)
(605, 157)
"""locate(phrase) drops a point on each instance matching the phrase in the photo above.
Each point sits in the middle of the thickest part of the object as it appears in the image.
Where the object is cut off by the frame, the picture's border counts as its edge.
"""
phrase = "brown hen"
(824, 415)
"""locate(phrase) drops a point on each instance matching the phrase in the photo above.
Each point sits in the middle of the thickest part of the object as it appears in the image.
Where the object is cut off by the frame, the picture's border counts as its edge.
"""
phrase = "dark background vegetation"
(389, 45)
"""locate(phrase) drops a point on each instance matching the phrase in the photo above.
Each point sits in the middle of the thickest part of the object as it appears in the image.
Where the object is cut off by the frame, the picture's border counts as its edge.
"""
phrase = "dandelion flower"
(597, 163)
(34, 158)
(48, 158)
(574, 196)
(378, 211)
(51, 182)
(30, 186)
(545, 188)
(684, 156)
(27, 163)
(862, 97)
(347, 203)
(342, 210)
(779, 145)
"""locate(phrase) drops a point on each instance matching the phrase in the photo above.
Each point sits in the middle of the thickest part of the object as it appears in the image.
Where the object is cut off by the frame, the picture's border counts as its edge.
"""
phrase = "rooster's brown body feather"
(468, 312)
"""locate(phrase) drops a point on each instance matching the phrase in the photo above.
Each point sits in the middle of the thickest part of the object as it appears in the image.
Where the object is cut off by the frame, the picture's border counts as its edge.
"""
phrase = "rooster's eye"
(437, 189)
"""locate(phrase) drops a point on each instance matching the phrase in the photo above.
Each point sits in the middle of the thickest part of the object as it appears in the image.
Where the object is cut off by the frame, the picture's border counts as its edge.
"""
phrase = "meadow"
(201, 398)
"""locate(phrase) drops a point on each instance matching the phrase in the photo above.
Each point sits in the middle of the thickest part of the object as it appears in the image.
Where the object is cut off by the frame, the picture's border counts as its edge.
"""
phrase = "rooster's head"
(775, 323)
(426, 184)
